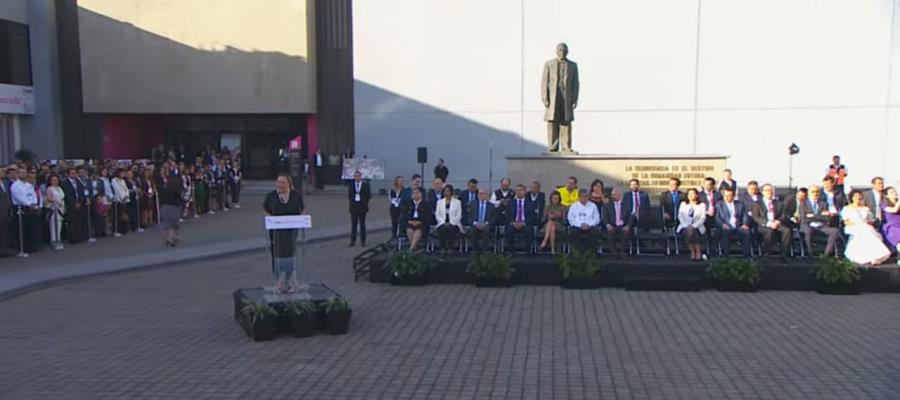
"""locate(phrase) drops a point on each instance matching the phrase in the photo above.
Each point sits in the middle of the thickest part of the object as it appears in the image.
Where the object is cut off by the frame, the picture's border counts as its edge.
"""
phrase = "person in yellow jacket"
(569, 193)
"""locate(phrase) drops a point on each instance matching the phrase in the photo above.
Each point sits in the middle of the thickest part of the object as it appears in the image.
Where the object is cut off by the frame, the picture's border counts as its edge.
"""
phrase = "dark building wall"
(75, 144)
(334, 57)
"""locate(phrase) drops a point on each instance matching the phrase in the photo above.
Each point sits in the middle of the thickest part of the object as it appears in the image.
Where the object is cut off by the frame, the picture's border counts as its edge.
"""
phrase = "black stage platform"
(647, 273)
(316, 293)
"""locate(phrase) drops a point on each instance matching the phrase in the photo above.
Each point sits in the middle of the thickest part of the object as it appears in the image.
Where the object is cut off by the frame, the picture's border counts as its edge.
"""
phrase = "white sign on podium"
(288, 222)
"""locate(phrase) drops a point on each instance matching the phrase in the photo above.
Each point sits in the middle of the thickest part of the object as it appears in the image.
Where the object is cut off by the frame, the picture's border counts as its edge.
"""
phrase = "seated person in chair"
(417, 215)
(670, 201)
(482, 216)
(770, 218)
(618, 222)
(815, 216)
(692, 222)
(732, 219)
(584, 222)
(520, 212)
(448, 215)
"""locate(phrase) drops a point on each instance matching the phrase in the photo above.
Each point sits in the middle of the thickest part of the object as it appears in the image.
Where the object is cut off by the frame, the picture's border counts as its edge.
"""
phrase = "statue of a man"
(559, 92)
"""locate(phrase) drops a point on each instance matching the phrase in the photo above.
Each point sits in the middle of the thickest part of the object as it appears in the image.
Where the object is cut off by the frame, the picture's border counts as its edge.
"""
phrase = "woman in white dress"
(865, 246)
(56, 208)
(692, 222)
(121, 198)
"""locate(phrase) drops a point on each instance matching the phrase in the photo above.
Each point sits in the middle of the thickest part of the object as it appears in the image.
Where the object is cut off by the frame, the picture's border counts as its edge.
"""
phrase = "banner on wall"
(15, 99)
(370, 168)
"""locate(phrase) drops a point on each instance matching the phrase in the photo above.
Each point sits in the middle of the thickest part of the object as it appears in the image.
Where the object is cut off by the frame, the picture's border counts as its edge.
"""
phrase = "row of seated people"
(522, 215)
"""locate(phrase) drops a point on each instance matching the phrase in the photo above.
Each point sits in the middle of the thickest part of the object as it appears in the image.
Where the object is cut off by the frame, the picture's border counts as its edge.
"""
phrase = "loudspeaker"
(423, 155)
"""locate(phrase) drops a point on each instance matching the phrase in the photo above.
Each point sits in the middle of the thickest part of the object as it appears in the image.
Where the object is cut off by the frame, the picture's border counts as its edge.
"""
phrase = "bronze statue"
(559, 92)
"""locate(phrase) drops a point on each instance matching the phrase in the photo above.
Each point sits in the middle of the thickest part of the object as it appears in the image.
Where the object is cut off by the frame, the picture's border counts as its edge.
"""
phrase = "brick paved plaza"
(168, 333)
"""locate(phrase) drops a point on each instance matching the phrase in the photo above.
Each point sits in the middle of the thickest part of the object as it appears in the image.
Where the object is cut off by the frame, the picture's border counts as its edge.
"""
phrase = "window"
(15, 54)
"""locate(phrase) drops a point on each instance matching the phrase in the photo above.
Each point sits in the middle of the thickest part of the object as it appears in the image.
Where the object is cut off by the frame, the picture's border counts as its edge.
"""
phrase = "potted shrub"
(408, 268)
(302, 317)
(491, 270)
(837, 276)
(337, 315)
(259, 319)
(735, 274)
(580, 270)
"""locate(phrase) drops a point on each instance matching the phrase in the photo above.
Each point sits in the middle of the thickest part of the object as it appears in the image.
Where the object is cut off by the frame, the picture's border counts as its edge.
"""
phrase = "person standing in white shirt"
(584, 218)
(28, 214)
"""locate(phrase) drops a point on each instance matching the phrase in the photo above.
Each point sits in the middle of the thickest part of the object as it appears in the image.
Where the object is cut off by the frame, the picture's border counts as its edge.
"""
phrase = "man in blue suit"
(732, 219)
(636, 203)
(520, 212)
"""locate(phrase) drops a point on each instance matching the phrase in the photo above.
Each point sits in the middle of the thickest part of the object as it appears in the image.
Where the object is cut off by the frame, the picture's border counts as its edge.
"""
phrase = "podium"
(281, 239)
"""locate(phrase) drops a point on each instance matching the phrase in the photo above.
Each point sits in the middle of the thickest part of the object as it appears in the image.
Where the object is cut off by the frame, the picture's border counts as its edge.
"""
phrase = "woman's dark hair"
(596, 182)
(557, 195)
(50, 179)
(687, 196)
(419, 190)
(887, 200)
(855, 192)
(446, 188)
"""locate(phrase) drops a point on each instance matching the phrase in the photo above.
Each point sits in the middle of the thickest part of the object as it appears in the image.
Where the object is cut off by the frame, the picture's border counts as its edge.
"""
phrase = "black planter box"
(737, 287)
(262, 330)
(493, 283)
(266, 329)
(414, 280)
(842, 288)
(580, 283)
(338, 323)
(303, 326)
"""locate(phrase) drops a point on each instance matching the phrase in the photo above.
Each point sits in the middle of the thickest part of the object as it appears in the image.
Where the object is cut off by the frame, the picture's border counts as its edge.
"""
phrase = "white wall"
(732, 77)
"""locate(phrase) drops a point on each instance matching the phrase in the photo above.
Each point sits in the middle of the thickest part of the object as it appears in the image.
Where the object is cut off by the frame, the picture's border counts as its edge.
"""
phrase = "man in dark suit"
(618, 226)
(482, 216)
(834, 198)
(732, 220)
(710, 197)
(770, 218)
(874, 199)
(537, 198)
(436, 192)
(441, 171)
(5, 213)
(792, 207)
(728, 181)
(358, 193)
(74, 200)
(751, 196)
(669, 201)
(636, 202)
(521, 219)
(87, 190)
(816, 217)
(466, 196)
(501, 198)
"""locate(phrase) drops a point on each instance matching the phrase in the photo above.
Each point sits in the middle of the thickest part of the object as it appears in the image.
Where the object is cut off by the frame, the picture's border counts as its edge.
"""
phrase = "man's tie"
(481, 213)
(637, 205)
(520, 210)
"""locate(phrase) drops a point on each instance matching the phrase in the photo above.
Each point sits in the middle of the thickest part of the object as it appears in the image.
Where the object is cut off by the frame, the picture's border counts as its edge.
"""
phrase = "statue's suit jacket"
(549, 80)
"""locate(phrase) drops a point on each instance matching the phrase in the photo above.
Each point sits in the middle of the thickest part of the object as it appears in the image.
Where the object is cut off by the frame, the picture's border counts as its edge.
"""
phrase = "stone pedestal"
(653, 170)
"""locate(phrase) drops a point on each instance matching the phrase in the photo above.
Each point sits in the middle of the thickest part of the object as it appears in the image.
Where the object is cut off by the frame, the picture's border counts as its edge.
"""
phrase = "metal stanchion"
(116, 219)
(137, 211)
(90, 210)
(156, 197)
(22, 253)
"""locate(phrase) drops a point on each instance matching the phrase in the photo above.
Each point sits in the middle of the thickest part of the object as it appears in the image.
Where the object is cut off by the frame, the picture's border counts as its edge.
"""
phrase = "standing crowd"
(47, 204)
(861, 225)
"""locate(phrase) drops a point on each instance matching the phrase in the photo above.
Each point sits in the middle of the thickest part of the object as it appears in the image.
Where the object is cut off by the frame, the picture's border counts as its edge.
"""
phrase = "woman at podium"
(284, 200)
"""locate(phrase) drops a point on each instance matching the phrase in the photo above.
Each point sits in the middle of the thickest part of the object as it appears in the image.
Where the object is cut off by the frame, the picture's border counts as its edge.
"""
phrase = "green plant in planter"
(734, 271)
(579, 266)
(337, 315)
(257, 312)
(408, 264)
(491, 267)
(300, 309)
(837, 271)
